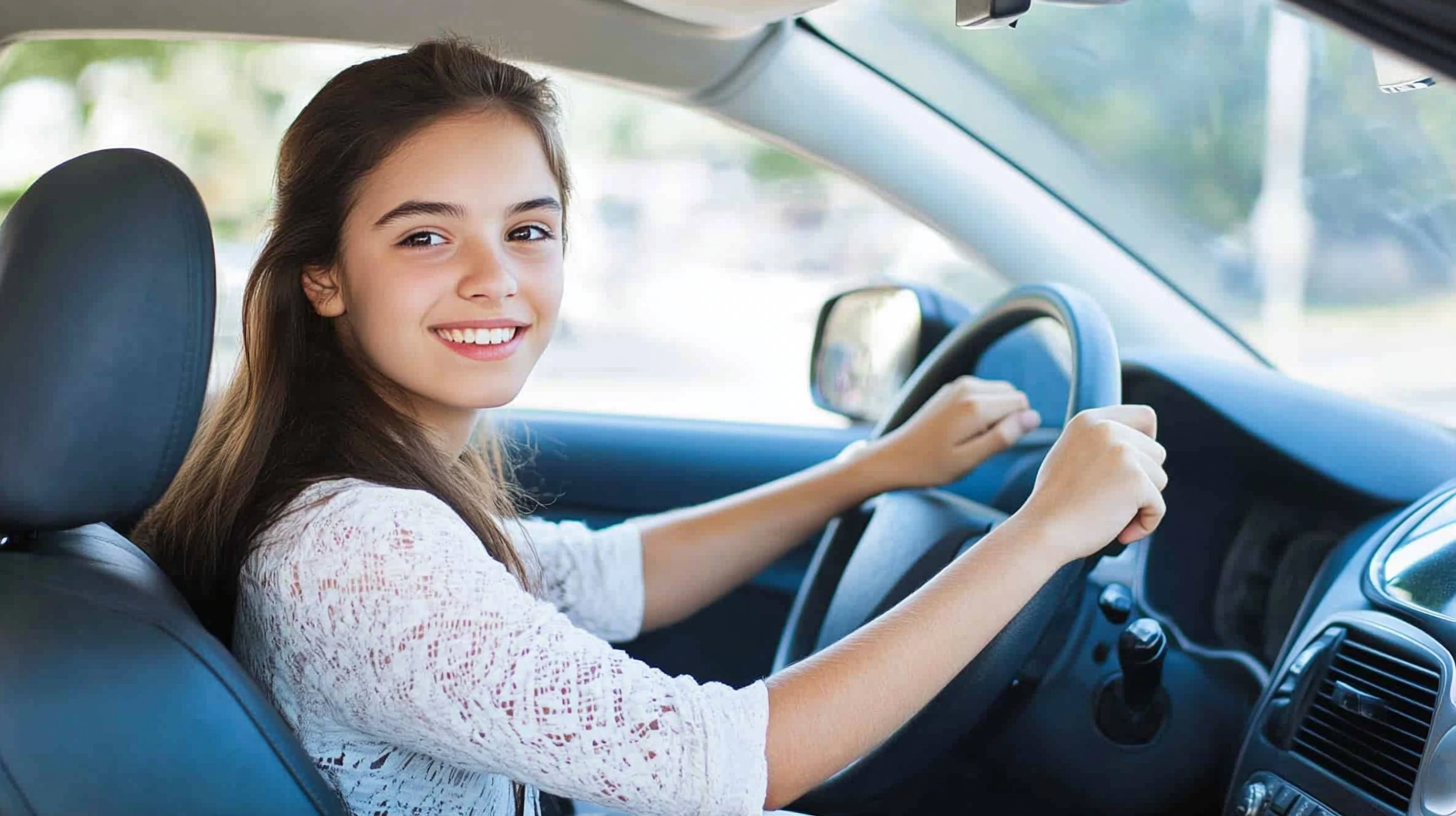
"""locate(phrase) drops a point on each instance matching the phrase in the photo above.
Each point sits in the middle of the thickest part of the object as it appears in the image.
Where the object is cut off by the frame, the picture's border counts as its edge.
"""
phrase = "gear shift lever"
(1140, 651)
(1131, 707)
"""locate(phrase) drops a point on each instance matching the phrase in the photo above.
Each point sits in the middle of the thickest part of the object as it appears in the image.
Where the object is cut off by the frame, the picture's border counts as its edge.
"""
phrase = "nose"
(488, 273)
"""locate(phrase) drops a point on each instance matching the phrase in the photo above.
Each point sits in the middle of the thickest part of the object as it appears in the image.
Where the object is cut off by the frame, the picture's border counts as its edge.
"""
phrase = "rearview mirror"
(1005, 13)
(990, 13)
(867, 345)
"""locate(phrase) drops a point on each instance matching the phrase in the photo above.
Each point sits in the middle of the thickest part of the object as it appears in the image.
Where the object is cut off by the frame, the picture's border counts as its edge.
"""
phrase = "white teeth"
(479, 337)
(494, 336)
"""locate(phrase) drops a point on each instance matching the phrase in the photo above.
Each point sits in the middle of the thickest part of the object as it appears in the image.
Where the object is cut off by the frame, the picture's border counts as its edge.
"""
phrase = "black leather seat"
(113, 698)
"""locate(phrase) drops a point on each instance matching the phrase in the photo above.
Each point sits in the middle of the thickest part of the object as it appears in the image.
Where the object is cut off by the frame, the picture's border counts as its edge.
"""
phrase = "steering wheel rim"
(826, 609)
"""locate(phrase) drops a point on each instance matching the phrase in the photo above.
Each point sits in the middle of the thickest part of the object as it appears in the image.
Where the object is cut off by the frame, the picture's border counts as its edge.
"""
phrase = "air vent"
(1370, 718)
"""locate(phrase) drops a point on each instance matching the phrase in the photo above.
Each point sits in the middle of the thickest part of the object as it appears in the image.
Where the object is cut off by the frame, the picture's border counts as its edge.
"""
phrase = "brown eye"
(530, 232)
(423, 238)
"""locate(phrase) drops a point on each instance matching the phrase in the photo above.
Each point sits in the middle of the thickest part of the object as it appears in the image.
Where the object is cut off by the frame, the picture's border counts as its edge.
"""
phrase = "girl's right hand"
(1102, 480)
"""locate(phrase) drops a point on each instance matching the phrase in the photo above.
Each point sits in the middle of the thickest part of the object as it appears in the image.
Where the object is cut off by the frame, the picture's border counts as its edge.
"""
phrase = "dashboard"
(1267, 477)
(1314, 544)
(1305, 578)
(1359, 718)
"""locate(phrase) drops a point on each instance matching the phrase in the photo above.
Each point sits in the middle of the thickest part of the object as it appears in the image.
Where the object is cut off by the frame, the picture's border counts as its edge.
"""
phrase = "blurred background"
(700, 254)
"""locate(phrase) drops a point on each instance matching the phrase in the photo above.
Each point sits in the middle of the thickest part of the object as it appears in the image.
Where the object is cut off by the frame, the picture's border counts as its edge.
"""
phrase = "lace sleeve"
(415, 635)
(593, 576)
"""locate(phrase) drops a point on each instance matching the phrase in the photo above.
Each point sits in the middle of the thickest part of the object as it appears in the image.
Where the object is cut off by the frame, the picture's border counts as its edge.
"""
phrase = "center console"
(1267, 793)
(1358, 718)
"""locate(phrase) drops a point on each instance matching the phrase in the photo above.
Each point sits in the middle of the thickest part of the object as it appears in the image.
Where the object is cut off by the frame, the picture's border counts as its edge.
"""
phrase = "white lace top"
(422, 678)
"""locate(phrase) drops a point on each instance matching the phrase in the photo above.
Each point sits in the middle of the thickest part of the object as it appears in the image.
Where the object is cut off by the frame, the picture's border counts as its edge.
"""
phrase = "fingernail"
(1029, 420)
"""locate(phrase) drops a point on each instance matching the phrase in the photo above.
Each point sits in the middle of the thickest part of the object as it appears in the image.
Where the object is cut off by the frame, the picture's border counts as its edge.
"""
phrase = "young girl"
(335, 522)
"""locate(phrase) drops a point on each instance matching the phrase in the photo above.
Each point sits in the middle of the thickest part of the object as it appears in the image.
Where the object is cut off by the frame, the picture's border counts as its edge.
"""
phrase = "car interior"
(1283, 644)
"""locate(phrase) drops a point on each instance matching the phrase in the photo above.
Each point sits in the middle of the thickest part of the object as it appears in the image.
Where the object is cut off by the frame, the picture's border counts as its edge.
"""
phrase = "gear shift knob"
(1140, 651)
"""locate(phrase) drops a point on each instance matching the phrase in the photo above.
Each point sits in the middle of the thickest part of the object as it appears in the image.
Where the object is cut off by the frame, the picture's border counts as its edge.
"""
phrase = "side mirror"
(870, 340)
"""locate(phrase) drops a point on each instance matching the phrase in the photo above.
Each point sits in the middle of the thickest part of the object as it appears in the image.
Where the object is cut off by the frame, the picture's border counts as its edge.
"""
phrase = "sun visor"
(1423, 31)
(730, 13)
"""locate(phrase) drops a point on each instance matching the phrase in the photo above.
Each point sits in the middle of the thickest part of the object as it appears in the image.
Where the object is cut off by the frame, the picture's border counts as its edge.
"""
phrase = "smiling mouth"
(478, 337)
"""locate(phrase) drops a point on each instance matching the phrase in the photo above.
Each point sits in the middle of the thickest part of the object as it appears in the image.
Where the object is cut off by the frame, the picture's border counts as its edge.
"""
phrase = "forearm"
(835, 706)
(693, 556)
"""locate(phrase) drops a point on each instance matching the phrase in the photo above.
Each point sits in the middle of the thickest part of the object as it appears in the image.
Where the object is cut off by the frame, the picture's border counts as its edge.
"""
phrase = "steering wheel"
(871, 558)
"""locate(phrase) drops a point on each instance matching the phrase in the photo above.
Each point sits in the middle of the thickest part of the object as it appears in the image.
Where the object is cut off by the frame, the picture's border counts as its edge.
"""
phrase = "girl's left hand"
(967, 422)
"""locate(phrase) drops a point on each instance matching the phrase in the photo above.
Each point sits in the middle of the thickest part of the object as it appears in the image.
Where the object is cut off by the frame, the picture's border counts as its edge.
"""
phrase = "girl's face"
(449, 273)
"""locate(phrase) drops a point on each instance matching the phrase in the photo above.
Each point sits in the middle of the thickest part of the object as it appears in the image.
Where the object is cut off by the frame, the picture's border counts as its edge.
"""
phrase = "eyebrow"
(412, 208)
(543, 203)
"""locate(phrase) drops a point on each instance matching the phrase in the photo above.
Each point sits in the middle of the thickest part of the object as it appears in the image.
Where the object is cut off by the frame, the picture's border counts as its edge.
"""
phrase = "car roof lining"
(609, 39)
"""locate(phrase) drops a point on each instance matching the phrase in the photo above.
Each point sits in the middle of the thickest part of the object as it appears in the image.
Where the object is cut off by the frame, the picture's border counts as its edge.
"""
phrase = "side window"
(216, 109)
(698, 257)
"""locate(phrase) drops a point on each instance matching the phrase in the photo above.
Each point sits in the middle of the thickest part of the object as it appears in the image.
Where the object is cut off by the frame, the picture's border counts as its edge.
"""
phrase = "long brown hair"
(303, 407)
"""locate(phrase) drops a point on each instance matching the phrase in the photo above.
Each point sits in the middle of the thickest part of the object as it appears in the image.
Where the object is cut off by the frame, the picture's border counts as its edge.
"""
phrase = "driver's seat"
(113, 698)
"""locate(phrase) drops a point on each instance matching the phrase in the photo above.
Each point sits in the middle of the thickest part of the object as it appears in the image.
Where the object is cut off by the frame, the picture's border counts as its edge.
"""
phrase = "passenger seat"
(113, 698)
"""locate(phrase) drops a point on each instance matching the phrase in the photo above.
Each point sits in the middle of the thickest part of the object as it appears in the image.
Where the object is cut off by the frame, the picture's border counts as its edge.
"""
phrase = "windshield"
(1246, 154)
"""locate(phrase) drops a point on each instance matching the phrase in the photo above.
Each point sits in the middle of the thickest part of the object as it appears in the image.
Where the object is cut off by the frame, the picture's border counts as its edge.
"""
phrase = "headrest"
(106, 306)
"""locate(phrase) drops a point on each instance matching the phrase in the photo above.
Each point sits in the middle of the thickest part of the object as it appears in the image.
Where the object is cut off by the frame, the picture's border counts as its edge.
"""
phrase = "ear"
(321, 286)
